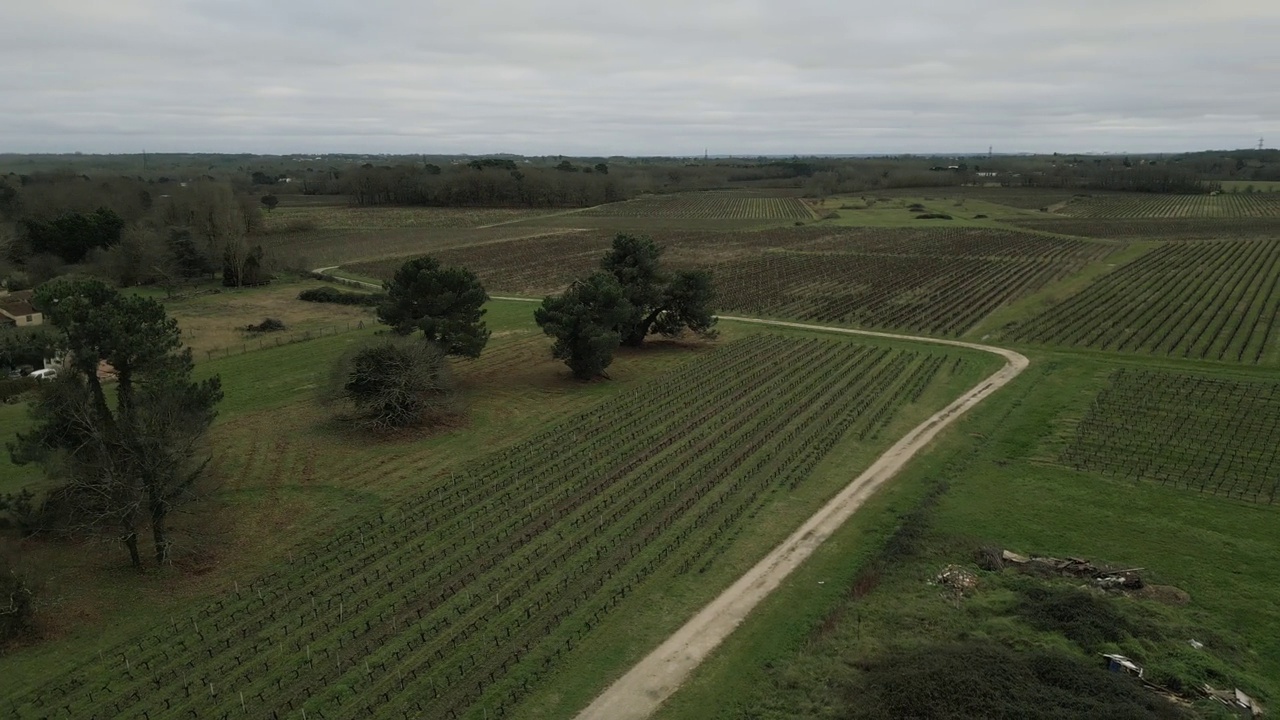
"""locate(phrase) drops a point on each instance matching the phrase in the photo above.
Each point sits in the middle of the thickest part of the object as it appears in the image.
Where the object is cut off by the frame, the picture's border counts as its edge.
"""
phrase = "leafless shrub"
(394, 383)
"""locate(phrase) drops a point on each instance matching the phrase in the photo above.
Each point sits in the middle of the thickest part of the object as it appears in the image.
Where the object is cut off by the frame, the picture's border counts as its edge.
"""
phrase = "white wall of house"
(25, 320)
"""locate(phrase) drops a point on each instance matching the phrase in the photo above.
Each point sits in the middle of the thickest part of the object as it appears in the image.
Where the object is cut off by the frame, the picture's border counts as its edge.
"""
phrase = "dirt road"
(639, 692)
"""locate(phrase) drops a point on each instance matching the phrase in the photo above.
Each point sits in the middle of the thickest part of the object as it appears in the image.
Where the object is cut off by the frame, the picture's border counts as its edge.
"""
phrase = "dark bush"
(244, 267)
(394, 383)
(979, 216)
(267, 325)
(328, 294)
(17, 603)
(321, 294)
(989, 557)
(12, 388)
(22, 512)
(71, 236)
(1089, 620)
(933, 216)
(50, 512)
(26, 346)
(976, 679)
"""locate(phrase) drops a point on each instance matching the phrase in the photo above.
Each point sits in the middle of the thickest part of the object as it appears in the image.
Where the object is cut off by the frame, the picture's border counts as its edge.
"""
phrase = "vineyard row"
(456, 603)
(1199, 433)
(1203, 300)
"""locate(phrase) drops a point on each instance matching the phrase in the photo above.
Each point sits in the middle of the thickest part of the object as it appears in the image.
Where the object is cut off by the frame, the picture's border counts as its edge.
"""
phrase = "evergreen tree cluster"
(628, 299)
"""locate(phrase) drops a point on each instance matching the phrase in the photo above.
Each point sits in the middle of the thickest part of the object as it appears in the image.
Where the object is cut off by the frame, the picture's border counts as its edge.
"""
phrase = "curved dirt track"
(638, 694)
(644, 687)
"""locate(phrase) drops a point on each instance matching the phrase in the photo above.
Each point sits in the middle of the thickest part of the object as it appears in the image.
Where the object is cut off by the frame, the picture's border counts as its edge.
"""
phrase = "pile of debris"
(957, 578)
(1240, 703)
(1109, 578)
(1236, 699)
(1102, 576)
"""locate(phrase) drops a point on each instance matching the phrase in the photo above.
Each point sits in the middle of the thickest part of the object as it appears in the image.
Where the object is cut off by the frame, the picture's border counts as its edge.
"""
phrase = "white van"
(45, 374)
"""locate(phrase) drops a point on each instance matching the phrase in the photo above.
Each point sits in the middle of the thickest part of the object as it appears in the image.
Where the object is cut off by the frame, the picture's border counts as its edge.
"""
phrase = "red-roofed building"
(16, 310)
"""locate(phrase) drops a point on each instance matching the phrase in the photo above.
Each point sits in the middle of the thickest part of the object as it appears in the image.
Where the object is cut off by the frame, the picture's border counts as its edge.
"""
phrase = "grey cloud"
(574, 77)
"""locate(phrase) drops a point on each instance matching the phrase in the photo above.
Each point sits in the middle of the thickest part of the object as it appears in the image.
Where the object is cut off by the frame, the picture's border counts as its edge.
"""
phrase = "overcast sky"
(643, 77)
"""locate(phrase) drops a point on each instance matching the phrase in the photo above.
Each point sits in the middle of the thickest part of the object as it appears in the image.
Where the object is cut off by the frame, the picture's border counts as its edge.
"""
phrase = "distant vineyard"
(532, 266)
(319, 248)
(1158, 228)
(1198, 433)
(705, 206)
(937, 295)
(1225, 205)
(934, 280)
(371, 218)
(1204, 300)
(940, 281)
(456, 604)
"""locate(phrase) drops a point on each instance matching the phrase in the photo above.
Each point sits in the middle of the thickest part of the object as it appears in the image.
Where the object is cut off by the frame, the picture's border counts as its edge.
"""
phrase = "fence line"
(279, 339)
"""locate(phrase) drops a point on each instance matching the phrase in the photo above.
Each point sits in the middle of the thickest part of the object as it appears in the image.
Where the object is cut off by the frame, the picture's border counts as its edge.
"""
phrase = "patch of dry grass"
(215, 324)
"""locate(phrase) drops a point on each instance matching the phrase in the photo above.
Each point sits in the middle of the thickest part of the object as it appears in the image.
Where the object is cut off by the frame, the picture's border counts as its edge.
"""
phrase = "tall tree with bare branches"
(127, 451)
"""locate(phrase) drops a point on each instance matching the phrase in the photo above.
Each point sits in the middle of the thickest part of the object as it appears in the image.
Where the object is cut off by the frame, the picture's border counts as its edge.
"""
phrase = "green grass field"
(516, 562)
(12, 477)
(874, 210)
(1020, 198)
(1004, 491)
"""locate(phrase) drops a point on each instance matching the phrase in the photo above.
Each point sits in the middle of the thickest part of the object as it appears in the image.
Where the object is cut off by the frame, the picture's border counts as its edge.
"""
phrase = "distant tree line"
(187, 217)
(483, 183)
(1127, 177)
(129, 231)
(1251, 164)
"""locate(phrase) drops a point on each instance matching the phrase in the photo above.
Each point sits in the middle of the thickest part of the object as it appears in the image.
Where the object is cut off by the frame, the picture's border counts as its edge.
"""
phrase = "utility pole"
(1260, 143)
